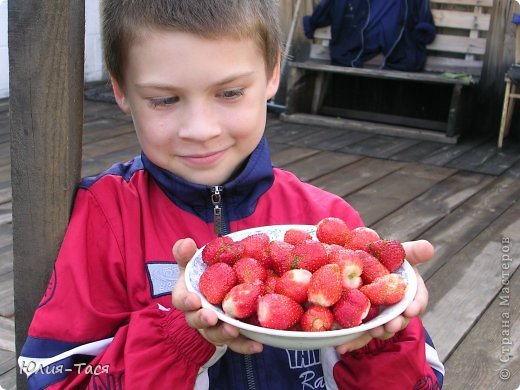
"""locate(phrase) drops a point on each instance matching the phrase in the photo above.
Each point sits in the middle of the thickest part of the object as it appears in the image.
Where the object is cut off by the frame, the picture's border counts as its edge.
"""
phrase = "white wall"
(4, 59)
(94, 69)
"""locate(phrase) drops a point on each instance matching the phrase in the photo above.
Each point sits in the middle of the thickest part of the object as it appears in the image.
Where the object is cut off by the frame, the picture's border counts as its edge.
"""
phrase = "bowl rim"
(396, 309)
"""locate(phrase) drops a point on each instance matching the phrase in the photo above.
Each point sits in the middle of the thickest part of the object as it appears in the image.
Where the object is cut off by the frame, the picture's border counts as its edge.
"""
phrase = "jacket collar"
(239, 196)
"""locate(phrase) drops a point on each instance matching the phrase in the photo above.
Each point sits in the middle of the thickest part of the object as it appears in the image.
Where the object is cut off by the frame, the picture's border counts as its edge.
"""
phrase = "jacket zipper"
(218, 220)
(250, 374)
(221, 228)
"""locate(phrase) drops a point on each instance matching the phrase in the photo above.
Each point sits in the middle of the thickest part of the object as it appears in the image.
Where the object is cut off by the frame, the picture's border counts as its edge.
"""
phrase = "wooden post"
(499, 57)
(46, 53)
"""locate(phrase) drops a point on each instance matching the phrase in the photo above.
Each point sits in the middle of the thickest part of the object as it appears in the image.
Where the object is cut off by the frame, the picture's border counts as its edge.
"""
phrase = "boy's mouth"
(203, 159)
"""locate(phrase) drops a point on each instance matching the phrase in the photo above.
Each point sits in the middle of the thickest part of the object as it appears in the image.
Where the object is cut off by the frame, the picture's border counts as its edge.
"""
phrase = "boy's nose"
(199, 123)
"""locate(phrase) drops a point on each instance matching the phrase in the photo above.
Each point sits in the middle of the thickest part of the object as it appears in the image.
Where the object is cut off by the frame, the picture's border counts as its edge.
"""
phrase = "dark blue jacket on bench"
(361, 29)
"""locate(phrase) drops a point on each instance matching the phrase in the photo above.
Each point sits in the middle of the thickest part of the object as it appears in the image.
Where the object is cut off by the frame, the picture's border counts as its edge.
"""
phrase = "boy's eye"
(232, 93)
(163, 101)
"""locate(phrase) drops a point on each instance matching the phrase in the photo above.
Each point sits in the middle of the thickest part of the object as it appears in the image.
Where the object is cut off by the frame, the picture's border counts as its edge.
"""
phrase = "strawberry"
(332, 231)
(330, 248)
(385, 290)
(295, 236)
(372, 313)
(294, 284)
(270, 282)
(257, 247)
(216, 281)
(252, 320)
(222, 250)
(309, 255)
(317, 319)
(351, 309)
(325, 286)
(280, 256)
(389, 252)
(249, 270)
(276, 311)
(372, 268)
(350, 266)
(360, 237)
(241, 301)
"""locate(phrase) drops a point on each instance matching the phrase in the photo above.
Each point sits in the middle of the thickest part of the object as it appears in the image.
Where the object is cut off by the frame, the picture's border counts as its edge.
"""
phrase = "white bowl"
(297, 340)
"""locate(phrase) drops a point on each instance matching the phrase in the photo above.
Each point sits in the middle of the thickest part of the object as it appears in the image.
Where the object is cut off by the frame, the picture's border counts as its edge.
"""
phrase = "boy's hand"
(416, 252)
(205, 320)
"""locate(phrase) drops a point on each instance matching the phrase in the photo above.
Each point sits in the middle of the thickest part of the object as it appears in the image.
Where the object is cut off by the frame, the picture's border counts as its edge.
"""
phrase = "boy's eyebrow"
(224, 81)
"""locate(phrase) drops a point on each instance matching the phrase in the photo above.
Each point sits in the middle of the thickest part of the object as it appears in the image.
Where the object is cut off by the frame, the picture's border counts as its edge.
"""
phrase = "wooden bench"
(453, 66)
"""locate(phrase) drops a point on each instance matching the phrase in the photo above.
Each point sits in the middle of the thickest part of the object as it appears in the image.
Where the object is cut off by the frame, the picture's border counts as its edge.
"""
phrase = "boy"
(195, 76)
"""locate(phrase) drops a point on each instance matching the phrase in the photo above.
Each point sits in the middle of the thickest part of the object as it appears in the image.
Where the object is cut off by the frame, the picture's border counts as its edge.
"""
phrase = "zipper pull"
(216, 200)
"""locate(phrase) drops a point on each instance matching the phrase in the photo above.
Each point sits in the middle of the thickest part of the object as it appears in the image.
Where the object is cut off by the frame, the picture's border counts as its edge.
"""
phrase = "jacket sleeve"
(320, 18)
(89, 331)
(400, 362)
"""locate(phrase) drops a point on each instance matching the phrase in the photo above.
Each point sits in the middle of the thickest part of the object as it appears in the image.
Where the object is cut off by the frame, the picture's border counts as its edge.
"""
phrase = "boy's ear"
(274, 82)
(120, 96)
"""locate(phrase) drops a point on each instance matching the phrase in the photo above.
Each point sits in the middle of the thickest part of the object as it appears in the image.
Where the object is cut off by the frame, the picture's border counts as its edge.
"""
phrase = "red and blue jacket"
(106, 320)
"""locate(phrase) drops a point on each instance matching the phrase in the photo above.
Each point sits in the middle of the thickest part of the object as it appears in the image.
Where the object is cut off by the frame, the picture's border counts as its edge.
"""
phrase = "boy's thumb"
(183, 251)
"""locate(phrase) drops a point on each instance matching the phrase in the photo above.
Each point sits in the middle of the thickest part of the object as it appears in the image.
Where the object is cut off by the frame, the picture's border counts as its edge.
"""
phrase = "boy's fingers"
(352, 345)
(420, 302)
(418, 251)
(183, 251)
(201, 319)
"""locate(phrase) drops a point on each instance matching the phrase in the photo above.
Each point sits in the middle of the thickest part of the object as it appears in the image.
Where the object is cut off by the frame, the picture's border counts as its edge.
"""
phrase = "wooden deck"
(463, 198)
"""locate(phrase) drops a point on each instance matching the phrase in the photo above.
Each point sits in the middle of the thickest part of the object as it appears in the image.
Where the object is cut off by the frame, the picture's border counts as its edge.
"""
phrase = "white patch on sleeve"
(202, 382)
(329, 358)
(162, 277)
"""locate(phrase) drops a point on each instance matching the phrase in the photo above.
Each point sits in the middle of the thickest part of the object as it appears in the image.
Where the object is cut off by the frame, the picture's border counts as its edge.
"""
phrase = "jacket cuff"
(308, 28)
(424, 33)
(184, 340)
(399, 362)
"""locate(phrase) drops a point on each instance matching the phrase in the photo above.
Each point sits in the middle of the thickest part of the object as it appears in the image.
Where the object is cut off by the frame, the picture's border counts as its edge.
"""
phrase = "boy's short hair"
(124, 21)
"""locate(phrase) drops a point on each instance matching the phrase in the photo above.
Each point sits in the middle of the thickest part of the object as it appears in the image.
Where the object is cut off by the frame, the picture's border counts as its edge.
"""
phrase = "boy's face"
(198, 105)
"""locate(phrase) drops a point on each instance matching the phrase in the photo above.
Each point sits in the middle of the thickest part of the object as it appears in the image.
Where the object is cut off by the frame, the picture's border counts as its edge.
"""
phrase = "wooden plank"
(370, 127)
(288, 133)
(381, 147)
(46, 107)
(7, 370)
(8, 380)
(5, 154)
(419, 150)
(456, 230)
(7, 361)
(320, 164)
(103, 128)
(355, 176)
(484, 158)
(7, 334)
(329, 138)
(380, 73)
(7, 296)
(6, 262)
(461, 20)
(290, 155)
(390, 119)
(100, 163)
(105, 146)
(414, 218)
(488, 356)
(385, 196)
(461, 290)
(448, 153)
(480, 3)
(457, 44)
(454, 65)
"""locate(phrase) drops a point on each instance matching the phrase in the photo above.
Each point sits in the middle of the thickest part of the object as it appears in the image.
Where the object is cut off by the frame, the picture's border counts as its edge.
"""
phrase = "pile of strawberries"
(338, 281)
